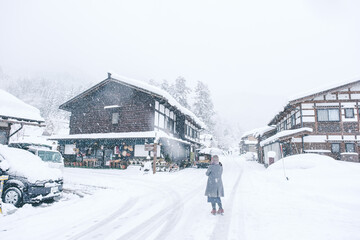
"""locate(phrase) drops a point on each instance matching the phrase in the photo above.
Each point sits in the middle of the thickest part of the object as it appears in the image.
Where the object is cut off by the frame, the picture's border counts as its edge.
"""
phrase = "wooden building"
(325, 122)
(113, 120)
(250, 141)
(14, 114)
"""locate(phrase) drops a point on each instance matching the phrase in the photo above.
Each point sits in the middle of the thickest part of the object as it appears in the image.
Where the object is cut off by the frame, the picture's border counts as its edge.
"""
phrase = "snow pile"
(13, 107)
(25, 164)
(319, 201)
(304, 161)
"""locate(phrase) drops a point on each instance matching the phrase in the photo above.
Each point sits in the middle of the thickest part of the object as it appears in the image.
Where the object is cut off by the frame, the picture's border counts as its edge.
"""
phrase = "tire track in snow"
(166, 218)
(105, 221)
(163, 220)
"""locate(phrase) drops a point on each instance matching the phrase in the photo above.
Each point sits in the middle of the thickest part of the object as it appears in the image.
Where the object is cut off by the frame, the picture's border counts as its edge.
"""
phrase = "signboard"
(140, 151)
(3, 178)
(149, 147)
(70, 149)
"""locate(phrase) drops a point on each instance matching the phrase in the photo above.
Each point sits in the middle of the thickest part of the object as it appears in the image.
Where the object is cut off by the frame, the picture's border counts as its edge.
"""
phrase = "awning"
(286, 134)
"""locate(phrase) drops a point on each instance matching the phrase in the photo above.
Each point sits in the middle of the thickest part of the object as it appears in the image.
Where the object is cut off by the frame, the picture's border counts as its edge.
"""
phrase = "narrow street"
(115, 204)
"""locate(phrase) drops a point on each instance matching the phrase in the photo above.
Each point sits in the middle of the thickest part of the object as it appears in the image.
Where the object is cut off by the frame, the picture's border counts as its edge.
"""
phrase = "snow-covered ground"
(320, 201)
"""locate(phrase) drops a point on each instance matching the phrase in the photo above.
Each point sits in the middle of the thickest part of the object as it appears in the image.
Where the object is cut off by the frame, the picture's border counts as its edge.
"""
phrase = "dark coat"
(214, 187)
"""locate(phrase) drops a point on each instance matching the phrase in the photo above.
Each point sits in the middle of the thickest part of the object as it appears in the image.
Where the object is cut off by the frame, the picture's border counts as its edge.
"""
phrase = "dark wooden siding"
(136, 111)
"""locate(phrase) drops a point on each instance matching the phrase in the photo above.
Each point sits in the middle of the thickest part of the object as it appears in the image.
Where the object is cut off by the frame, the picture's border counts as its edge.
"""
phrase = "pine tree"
(165, 85)
(203, 106)
(180, 91)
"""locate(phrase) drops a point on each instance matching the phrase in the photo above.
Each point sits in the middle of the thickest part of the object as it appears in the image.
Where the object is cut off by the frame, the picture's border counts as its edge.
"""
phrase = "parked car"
(52, 158)
(30, 179)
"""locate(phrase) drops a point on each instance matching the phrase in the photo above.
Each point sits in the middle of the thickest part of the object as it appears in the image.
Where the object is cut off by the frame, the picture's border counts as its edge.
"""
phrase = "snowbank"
(303, 161)
(26, 164)
(320, 201)
(13, 107)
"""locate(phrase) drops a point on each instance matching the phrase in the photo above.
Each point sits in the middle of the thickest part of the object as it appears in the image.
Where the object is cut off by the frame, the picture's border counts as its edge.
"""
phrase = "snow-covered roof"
(317, 151)
(40, 141)
(324, 89)
(13, 108)
(211, 151)
(258, 132)
(285, 133)
(120, 135)
(164, 94)
(147, 88)
(249, 142)
(313, 93)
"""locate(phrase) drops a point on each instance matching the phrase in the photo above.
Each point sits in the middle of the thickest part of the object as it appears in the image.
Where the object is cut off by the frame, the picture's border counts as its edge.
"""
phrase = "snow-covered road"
(259, 204)
(113, 204)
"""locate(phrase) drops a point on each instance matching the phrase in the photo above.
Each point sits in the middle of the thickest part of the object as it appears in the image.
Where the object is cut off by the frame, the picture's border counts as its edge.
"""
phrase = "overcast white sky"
(253, 54)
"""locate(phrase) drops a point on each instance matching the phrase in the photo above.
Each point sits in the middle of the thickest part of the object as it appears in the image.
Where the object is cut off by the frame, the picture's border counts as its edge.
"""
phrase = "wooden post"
(154, 160)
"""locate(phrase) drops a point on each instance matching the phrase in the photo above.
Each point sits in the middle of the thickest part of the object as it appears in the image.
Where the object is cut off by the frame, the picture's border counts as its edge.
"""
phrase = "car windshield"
(48, 156)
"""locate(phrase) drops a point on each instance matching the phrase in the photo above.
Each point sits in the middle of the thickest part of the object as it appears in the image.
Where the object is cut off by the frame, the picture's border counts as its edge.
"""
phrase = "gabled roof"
(312, 94)
(322, 91)
(286, 134)
(258, 132)
(13, 110)
(140, 86)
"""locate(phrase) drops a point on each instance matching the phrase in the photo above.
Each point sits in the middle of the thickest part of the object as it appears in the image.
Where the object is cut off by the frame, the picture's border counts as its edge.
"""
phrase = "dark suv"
(30, 179)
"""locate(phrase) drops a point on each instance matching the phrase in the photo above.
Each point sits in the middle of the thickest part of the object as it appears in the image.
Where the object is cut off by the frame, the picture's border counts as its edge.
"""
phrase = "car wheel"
(13, 196)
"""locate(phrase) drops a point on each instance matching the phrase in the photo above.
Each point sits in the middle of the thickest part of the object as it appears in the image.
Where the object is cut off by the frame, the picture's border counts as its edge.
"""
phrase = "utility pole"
(156, 140)
(154, 160)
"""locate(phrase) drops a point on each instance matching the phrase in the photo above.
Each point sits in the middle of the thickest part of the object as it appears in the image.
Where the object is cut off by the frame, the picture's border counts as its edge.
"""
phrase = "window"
(115, 118)
(293, 122)
(284, 125)
(335, 147)
(3, 137)
(328, 115)
(156, 123)
(349, 147)
(349, 113)
(162, 108)
(156, 105)
(161, 121)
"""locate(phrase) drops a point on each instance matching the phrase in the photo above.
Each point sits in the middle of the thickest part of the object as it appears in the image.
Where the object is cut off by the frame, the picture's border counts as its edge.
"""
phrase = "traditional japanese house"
(250, 140)
(14, 114)
(115, 119)
(247, 143)
(325, 122)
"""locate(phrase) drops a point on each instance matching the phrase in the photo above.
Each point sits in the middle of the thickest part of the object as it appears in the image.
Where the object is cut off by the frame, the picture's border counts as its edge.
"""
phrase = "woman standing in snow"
(214, 187)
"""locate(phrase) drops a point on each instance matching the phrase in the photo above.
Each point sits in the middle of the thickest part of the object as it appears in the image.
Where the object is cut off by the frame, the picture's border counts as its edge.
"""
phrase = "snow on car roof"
(25, 164)
(12, 107)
